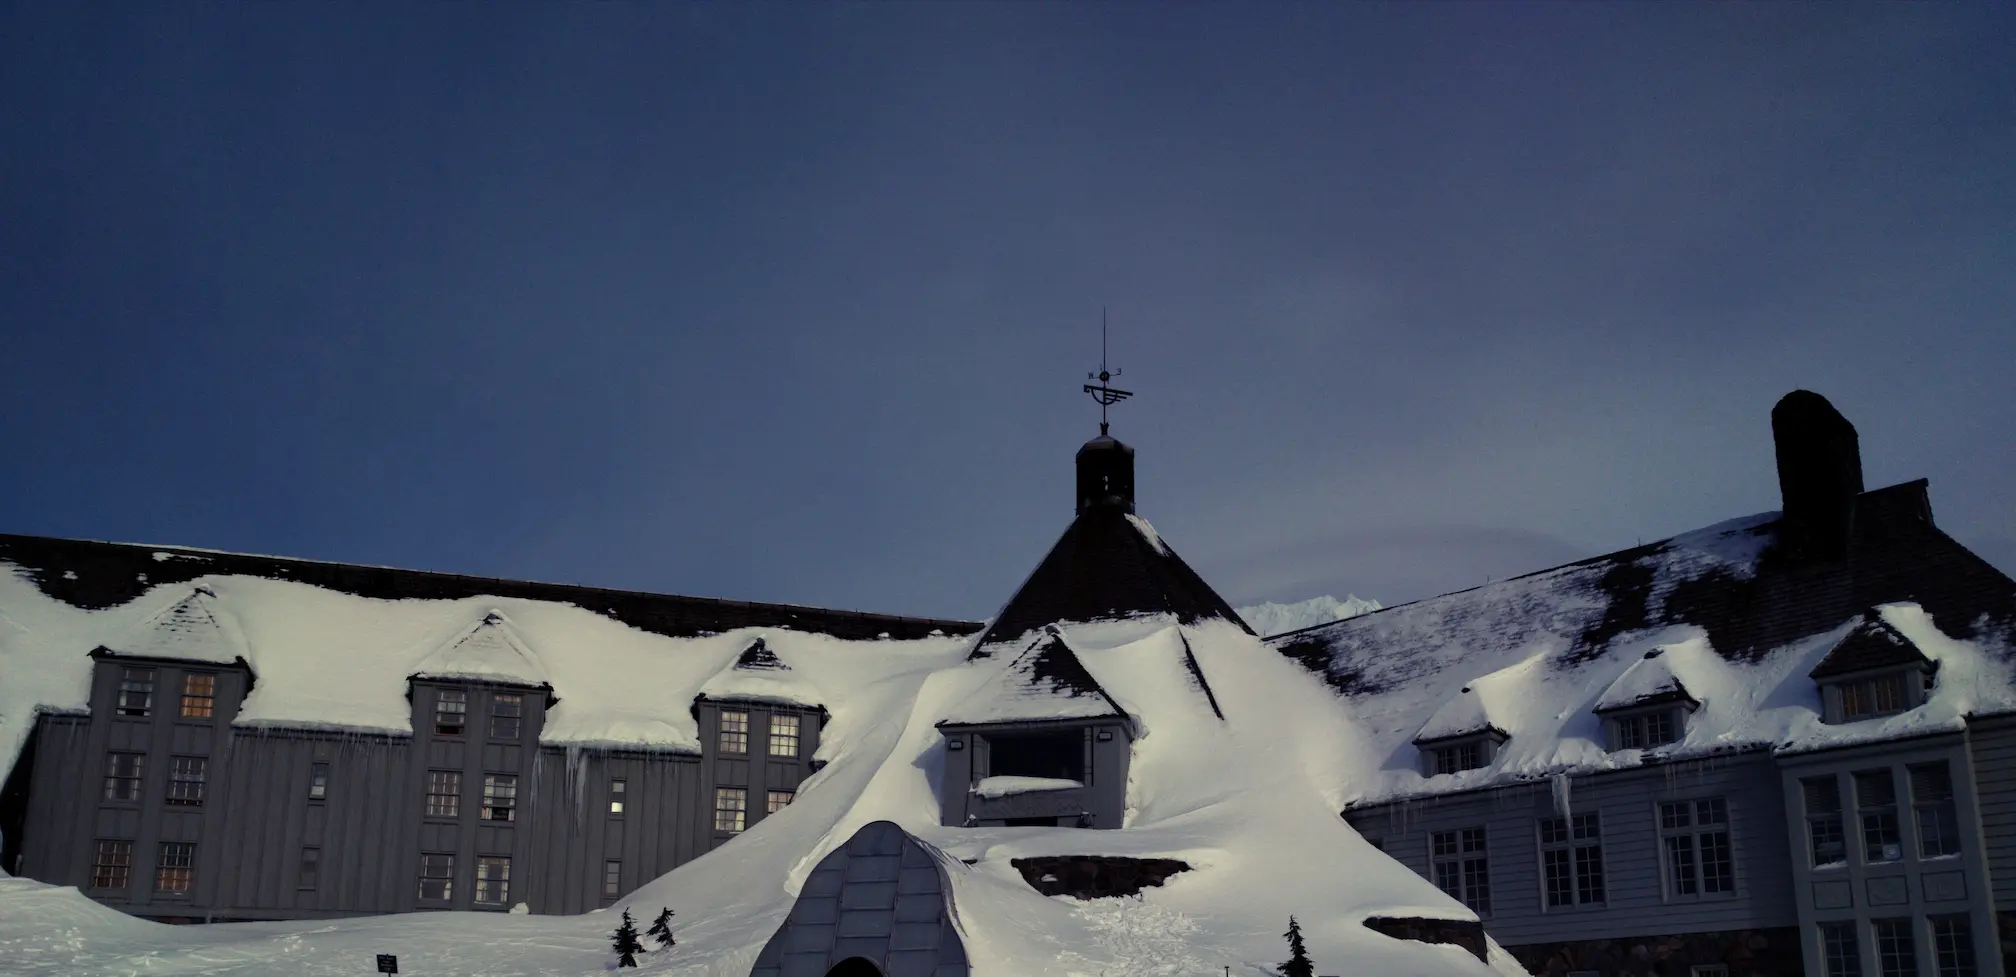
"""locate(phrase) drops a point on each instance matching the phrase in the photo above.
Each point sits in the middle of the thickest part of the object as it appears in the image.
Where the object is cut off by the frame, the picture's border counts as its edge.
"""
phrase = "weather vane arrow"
(1103, 392)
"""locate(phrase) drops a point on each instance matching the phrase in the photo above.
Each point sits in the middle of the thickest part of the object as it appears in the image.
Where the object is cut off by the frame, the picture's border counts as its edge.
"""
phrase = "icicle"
(1561, 794)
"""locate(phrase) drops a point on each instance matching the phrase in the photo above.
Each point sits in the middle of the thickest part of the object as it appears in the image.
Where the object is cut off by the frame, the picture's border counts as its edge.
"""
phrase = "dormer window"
(1460, 756)
(1648, 726)
(1867, 698)
(1873, 671)
(1639, 732)
(1466, 751)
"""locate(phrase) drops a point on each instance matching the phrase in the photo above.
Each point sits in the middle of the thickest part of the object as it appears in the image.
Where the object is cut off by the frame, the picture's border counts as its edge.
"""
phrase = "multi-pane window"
(451, 712)
(136, 691)
(505, 710)
(1823, 820)
(618, 793)
(444, 794)
(1876, 811)
(612, 879)
(1462, 867)
(1648, 730)
(437, 876)
(1864, 698)
(1838, 950)
(318, 781)
(311, 868)
(734, 732)
(199, 696)
(1459, 756)
(1896, 951)
(122, 775)
(500, 797)
(1571, 858)
(185, 780)
(1932, 806)
(731, 808)
(176, 869)
(493, 880)
(783, 735)
(778, 800)
(112, 866)
(1952, 946)
(1695, 838)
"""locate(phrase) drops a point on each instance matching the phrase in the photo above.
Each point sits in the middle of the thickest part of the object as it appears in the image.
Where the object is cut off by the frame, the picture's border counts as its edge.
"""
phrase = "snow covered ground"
(1269, 619)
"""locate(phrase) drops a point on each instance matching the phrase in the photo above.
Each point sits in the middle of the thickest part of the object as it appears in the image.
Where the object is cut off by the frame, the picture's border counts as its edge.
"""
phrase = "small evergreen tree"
(1298, 963)
(661, 929)
(626, 943)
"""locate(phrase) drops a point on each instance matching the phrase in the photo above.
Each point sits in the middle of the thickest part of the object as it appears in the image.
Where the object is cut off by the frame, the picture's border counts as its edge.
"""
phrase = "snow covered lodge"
(1784, 744)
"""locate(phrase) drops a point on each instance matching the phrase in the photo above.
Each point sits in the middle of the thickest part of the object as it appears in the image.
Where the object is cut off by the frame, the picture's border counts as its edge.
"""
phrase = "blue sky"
(792, 302)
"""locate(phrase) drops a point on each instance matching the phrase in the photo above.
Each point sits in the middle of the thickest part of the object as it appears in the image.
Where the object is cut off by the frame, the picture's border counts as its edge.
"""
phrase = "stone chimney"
(1105, 474)
(1819, 475)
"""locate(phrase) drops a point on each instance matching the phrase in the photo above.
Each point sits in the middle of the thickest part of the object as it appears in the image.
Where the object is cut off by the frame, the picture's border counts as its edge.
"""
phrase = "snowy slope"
(1269, 619)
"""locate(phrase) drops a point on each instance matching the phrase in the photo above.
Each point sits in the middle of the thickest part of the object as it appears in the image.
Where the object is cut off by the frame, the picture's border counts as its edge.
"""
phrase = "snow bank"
(992, 787)
(1270, 619)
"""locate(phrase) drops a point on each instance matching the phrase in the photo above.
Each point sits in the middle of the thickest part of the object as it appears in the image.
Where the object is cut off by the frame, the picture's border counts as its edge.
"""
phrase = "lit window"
(1876, 809)
(1462, 868)
(1571, 857)
(612, 879)
(437, 877)
(1953, 946)
(618, 792)
(136, 691)
(500, 798)
(731, 808)
(176, 871)
(113, 865)
(199, 696)
(493, 880)
(783, 735)
(1864, 698)
(734, 732)
(778, 800)
(1932, 804)
(185, 780)
(122, 776)
(1839, 950)
(451, 712)
(318, 781)
(311, 868)
(1695, 836)
(444, 794)
(1896, 951)
(505, 709)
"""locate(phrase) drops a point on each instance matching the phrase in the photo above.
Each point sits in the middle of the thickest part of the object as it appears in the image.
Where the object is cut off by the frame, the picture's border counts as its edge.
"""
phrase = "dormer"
(1648, 706)
(485, 684)
(1459, 736)
(759, 706)
(1873, 671)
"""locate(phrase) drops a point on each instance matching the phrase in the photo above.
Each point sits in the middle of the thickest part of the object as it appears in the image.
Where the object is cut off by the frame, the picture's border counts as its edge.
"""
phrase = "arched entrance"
(854, 967)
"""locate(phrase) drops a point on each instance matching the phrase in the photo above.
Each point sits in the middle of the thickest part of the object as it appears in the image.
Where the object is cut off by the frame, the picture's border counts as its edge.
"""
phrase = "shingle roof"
(1045, 681)
(1872, 644)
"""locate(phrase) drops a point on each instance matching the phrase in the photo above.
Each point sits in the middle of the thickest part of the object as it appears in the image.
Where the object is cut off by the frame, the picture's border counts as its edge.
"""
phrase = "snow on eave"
(1659, 677)
(491, 650)
(775, 682)
(191, 628)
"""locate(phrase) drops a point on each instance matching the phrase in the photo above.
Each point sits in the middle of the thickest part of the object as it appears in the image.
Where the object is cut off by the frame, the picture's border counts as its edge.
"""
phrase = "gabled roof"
(490, 651)
(191, 629)
(757, 674)
(1651, 680)
(1109, 564)
(1871, 644)
(1045, 681)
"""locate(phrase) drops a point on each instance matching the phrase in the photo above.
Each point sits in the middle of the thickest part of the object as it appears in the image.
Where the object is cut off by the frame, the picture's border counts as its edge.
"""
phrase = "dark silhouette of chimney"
(1105, 474)
(1819, 475)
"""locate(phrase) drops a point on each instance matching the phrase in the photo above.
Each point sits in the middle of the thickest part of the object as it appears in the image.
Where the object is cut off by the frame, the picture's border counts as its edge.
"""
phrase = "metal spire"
(1106, 395)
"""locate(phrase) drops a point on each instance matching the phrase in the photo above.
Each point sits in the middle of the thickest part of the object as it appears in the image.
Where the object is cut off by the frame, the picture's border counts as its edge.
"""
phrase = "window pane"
(1587, 827)
(617, 795)
(1675, 815)
(1477, 884)
(1896, 952)
(122, 776)
(1658, 729)
(493, 880)
(777, 800)
(1560, 887)
(612, 879)
(199, 696)
(1932, 804)
(1449, 878)
(112, 868)
(500, 798)
(176, 869)
(136, 691)
(1680, 864)
(318, 781)
(185, 780)
(505, 710)
(1718, 867)
(1823, 820)
(1953, 946)
(1553, 830)
(1473, 839)
(451, 712)
(783, 735)
(731, 807)
(437, 877)
(1876, 804)
(1837, 944)
(1589, 873)
(734, 732)
(1444, 843)
(444, 794)
(311, 868)
(1631, 732)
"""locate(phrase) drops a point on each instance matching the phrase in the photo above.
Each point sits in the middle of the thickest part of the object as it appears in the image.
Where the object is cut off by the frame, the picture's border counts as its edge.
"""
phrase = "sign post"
(388, 964)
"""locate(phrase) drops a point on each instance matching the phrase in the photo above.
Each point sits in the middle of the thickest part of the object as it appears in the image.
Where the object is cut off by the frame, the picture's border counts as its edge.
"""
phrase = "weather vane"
(1106, 395)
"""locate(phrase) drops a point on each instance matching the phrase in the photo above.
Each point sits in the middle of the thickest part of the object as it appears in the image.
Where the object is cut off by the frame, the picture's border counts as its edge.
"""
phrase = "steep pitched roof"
(758, 674)
(1045, 681)
(1870, 644)
(191, 629)
(491, 650)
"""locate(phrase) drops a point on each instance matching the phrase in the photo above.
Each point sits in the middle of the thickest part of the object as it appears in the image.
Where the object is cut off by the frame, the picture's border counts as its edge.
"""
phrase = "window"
(617, 792)
(318, 781)
(451, 712)
(1460, 756)
(778, 800)
(199, 696)
(1823, 820)
(493, 880)
(500, 800)
(122, 775)
(1056, 755)
(1932, 806)
(437, 877)
(731, 808)
(112, 867)
(176, 869)
(1952, 946)
(185, 780)
(1571, 859)
(1868, 697)
(136, 691)
(1876, 810)
(505, 710)
(1462, 868)
(1896, 952)
(612, 879)
(444, 794)
(734, 732)
(311, 868)
(1695, 837)
(1648, 730)
(1838, 949)
(783, 735)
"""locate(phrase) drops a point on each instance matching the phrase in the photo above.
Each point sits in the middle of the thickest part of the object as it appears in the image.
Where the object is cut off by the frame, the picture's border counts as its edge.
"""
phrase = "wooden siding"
(1994, 756)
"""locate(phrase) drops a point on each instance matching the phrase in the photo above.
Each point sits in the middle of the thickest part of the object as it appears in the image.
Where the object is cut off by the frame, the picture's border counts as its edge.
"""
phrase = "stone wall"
(1747, 953)
(1468, 934)
(1095, 876)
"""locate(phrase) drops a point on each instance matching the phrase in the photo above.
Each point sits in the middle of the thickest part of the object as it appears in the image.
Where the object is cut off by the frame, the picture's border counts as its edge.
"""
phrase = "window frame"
(111, 861)
(133, 680)
(205, 700)
(1572, 838)
(739, 810)
(1466, 862)
(612, 880)
(178, 775)
(500, 795)
(318, 781)
(136, 780)
(1871, 816)
(1895, 940)
(793, 735)
(432, 809)
(445, 875)
(502, 882)
(1687, 839)
(1840, 948)
(732, 737)
(308, 872)
(514, 716)
(176, 878)
(770, 799)
(443, 698)
(619, 796)
(1952, 935)
(1832, 821)
(1942, 828)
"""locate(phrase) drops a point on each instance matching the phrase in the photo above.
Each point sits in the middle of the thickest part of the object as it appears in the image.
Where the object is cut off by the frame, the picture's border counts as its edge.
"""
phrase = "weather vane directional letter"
(1103, 392)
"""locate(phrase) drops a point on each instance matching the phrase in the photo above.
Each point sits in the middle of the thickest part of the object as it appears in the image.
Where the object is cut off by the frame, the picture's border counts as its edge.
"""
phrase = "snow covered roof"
(757, 674)
(1045, 681)
(191, 629)
(1738, 623)
(1873, 643)
(490, 651)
